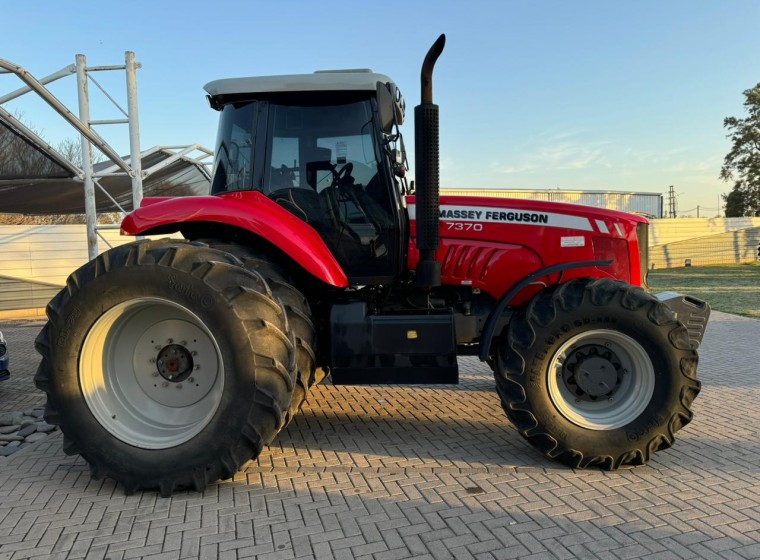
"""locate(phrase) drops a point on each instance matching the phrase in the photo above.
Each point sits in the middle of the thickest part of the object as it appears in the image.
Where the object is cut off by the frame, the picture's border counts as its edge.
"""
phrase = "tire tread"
(510, 364)
(222, 273)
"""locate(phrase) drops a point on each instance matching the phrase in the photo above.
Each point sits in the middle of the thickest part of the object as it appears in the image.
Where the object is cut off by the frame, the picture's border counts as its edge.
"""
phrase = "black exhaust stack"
(427, 173)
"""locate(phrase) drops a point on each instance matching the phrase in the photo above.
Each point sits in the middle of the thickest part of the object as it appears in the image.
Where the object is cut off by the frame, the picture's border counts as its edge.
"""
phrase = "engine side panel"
(491, 243)
(247, 210)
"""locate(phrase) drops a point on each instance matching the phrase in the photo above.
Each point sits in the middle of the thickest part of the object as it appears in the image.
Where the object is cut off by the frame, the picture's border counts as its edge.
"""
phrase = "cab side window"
(233, 166)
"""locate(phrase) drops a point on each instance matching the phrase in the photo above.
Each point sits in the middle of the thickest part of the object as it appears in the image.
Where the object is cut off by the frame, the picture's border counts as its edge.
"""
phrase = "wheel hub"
(619, 384)
(592, 372)
(151, 373)
(184, 365)
(174, 363)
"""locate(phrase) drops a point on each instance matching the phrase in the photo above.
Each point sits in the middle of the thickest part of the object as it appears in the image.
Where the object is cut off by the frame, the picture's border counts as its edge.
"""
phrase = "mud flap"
(692, 312)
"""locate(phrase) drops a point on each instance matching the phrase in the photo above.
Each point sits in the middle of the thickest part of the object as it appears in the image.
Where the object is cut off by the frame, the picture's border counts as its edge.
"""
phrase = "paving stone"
(391, 472)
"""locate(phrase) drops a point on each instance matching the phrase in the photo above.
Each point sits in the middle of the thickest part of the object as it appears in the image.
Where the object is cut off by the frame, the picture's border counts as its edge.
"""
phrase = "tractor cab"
(326, 148)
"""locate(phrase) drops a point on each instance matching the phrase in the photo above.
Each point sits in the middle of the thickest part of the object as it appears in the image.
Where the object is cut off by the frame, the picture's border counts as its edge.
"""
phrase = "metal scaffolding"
(89, 174)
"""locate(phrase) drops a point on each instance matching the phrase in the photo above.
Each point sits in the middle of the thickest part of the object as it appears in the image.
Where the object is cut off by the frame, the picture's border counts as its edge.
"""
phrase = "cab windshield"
(310, 143)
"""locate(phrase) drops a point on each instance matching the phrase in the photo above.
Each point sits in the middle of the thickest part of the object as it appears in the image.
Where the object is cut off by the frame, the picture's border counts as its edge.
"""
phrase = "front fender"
(248, 210)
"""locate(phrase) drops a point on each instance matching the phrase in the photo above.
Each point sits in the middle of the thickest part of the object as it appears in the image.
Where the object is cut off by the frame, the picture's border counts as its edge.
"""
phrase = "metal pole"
(70, 69)
(134, 130)
(89, 185)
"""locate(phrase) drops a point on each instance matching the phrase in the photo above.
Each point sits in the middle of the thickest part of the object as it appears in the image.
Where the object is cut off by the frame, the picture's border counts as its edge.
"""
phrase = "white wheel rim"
(634, 379)
(140, 401)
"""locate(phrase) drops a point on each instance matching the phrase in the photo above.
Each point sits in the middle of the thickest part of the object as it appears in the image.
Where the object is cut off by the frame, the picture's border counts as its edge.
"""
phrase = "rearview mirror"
(385, 106)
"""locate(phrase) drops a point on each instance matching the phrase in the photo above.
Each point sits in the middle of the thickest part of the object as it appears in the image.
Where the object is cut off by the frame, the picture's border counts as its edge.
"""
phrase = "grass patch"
(733, 289)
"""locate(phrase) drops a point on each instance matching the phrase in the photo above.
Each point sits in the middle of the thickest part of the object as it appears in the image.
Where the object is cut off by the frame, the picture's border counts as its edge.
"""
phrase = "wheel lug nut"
(165, 384)
(183, 343)
(194, 353)
(154, 374)
(157, 347)
(197, 366)
(169, 340)
(190, 380)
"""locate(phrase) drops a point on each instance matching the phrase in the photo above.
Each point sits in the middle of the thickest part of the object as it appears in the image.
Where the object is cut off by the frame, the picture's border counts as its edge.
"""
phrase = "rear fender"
(247, 210)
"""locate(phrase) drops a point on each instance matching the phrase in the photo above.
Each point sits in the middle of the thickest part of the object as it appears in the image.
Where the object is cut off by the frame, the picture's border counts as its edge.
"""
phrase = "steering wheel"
(338, 191)
(341, 177)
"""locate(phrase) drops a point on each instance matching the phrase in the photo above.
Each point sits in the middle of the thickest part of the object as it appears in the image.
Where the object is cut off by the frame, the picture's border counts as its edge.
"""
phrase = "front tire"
(166, 365)
(597, 373)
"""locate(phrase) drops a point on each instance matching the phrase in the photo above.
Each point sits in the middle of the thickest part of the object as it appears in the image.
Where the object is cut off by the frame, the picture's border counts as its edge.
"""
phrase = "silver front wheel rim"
(151, 373)
(601, 379)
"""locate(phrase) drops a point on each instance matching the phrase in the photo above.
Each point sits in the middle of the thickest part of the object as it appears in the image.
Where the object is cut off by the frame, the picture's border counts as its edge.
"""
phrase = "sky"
(602, 95)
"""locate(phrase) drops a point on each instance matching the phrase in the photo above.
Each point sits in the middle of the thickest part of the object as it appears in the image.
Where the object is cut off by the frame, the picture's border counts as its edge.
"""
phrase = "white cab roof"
(324, 80)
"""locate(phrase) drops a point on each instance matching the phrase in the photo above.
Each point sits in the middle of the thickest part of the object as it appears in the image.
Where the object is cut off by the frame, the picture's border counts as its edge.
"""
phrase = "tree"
(18, 157)
(71, 149)
(742, 163)
(735, 206)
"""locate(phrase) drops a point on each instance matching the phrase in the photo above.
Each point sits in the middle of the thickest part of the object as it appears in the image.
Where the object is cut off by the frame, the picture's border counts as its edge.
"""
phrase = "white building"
(645, 203)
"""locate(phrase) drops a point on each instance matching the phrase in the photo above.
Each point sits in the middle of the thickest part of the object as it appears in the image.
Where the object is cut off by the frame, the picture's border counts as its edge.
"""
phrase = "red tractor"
(169, 364)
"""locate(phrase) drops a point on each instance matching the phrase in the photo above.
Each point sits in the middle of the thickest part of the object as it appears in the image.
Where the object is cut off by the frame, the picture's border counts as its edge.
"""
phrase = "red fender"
(248, 210)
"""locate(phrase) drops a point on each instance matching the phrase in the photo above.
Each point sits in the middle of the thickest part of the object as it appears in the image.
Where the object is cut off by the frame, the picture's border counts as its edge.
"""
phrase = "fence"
(703, 241)
(35, 260)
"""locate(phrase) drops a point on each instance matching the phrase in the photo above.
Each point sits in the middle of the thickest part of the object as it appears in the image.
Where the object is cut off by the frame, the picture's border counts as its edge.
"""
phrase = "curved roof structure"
(36, 179)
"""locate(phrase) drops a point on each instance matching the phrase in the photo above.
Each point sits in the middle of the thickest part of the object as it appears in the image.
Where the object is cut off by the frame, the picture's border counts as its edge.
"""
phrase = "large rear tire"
(299, 315)
(597, 373)
(166, 364)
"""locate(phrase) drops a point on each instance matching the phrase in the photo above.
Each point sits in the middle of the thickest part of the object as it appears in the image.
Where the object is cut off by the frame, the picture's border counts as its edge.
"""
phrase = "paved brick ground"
(391, 473)
(18, 392)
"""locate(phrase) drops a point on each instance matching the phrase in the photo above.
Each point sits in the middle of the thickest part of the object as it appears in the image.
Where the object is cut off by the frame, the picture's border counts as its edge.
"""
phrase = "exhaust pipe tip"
(426, 74)
(427, 172)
